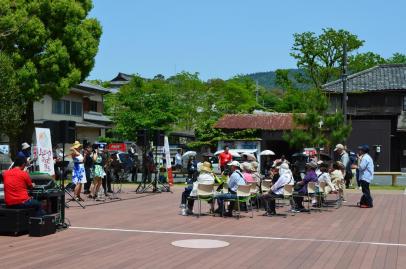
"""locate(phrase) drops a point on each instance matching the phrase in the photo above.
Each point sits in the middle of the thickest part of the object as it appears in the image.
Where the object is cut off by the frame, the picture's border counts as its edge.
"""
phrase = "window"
(61, 107)
(76, 109)
(66, 107)
(93, 106)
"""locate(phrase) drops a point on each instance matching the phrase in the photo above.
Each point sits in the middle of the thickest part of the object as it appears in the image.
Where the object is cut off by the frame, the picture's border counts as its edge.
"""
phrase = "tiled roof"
(264, 121)
(95, 116)
(385, 77)
(92, 87)
(122, 76)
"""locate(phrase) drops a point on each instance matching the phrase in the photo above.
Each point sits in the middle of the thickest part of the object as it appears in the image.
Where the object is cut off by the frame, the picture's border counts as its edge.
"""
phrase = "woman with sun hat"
(78, 172)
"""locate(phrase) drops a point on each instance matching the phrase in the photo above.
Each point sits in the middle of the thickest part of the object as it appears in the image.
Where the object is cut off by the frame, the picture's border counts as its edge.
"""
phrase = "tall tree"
(315, 126)
(142, 104)
(397, 58)
(52, 45)
(12, 103)
(190, 91)
(362, 61)
(320, 56)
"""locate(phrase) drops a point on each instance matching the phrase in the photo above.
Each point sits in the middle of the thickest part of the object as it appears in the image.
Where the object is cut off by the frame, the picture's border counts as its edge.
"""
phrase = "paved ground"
(137, 232)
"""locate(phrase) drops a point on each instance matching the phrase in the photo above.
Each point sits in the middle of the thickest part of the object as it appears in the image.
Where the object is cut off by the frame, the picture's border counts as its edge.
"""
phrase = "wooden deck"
(137, 232)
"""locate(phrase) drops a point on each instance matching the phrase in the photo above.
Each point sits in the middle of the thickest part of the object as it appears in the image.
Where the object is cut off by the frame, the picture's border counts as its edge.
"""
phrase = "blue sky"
(222, 38)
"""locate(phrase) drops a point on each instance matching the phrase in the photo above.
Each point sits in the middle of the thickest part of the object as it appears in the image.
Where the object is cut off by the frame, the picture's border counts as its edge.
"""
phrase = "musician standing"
(16, 185)
(78, 172)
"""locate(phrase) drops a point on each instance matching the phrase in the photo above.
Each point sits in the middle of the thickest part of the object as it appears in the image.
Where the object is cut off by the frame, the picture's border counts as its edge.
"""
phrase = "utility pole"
(344, 81)
(256, 91)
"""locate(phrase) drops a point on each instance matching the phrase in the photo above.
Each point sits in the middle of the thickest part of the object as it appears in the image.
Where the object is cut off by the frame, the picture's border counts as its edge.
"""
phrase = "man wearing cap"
(235, 180)
(25, 152)
(366, 174)
(345, 160)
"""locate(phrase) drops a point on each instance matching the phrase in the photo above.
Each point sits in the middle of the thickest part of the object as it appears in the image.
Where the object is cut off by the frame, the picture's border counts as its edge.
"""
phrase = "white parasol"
(250, 157)
(267, 153)
(188, 154)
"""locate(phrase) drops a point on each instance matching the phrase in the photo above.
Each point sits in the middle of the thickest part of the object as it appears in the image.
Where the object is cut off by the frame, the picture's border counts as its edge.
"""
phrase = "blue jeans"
(186, 194)
(31, 203)
(220, 200)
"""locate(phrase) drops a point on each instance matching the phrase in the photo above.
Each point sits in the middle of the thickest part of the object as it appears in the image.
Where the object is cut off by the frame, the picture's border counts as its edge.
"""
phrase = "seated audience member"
(247, 173)
(275, 171)
(255, 174)
(276, 191)
(205, 177)
(236, 179)
(337, 178)
(16, 185)
(325, 177)
(302, 185)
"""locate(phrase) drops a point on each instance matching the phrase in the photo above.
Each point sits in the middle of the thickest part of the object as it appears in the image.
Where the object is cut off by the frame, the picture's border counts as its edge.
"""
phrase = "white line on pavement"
(243, 236)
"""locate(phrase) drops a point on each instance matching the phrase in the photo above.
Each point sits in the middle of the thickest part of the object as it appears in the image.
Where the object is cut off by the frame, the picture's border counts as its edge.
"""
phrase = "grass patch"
(387, 187)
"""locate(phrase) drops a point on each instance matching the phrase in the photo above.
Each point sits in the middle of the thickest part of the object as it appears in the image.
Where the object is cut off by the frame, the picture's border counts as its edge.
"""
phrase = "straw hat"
(76, 145)
(206, 167)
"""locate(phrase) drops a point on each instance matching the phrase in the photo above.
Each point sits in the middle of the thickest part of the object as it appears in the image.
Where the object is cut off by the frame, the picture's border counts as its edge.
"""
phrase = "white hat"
(339, 146)
(235, 163)
(25, 145)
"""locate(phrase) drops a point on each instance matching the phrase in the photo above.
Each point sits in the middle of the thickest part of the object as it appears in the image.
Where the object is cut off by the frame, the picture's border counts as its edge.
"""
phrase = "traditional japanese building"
(376, 109)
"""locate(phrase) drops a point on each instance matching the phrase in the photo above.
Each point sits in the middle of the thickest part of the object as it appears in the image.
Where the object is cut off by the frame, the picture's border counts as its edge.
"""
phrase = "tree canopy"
(181, 102)
(51, 45)
(320, 56)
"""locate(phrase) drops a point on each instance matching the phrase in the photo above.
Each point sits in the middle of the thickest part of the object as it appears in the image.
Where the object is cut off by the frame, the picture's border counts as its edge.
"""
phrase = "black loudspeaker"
(61, 131)
(15, 221)
(53, 127)
(142, 137)
(43, 226)
(159, 138)
(67, 131)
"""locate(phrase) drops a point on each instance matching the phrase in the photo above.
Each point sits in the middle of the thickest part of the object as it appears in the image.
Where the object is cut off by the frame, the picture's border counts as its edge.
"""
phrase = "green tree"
(52, 45)
(12, 103)
(320, 56)
(362, 61)
(236, 95)
(314, 126)
(142, 104)
(190, 99)
(397, 58)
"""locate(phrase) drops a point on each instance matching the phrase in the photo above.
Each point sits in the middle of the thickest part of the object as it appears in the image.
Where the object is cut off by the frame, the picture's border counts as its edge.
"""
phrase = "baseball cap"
(339, 146)
(235, 163)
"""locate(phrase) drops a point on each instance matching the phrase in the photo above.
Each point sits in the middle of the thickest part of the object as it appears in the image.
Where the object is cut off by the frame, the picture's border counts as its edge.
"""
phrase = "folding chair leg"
(238, 207)
(200, 208)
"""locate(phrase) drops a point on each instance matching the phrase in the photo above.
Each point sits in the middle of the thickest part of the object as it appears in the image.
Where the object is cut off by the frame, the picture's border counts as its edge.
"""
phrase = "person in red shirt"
(16, 185)
(224, 158)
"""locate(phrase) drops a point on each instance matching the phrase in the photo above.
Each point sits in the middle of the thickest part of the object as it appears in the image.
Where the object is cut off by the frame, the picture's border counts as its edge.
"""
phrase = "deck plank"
(78, 248)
